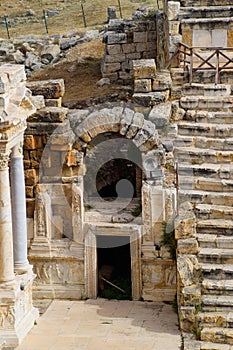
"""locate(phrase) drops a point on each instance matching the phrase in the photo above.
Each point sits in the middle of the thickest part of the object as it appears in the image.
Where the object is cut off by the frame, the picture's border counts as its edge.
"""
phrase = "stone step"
(203, 21)
(205, 184)
(216, 319)
(202, 345)
(217, 334)
(216, 255)
(217, 287)
(215, 241)
(217, 271)
(197, 89)
(207, 211)
(198, 3)
(206, 12)
(215, 226)
(186, 128)
(218, 303)
(223, 103)
(215, 143)
(209, 117)
(213, 171)
(204, 197)
(193, 155)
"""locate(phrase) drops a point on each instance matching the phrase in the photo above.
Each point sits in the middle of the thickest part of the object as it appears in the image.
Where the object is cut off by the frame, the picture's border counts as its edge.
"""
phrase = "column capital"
(4, 159)
(17, 150)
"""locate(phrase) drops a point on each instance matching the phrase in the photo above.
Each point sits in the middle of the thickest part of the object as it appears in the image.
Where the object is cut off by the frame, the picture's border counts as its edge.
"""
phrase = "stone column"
(6, 244)
(18, 202)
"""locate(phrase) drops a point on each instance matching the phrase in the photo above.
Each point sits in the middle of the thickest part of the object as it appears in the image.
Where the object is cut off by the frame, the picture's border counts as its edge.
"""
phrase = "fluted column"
(18, 202)
(6, 239)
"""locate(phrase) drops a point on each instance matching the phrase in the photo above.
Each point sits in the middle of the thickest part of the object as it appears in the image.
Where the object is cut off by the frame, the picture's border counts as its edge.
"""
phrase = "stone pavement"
(105, 324)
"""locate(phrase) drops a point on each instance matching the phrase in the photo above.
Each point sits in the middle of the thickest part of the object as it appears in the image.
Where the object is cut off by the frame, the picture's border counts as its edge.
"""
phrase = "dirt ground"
(80, 69)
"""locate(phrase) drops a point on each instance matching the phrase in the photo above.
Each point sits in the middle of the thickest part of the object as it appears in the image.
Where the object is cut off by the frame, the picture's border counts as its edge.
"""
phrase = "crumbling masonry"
(173, 140)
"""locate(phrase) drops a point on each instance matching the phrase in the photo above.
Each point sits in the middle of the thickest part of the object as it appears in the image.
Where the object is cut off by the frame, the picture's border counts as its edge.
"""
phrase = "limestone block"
(141, 47)
(144, 69)
(126, 120)
(49, 52)
(174, 41)
(185, 228)
(73, 158)
(191, 295)
(152, 36)
(29, 142)
(149, 99)
(187, 317)
(160, 114)
(114, 49)
(187, 246)
(112, 76)
(174, 27)
(136, 124)
(173, 10)
(142, 85)
(133, 56)
(50, 115)
(115, 38)
(186, 269)
(147, 131)
(202, 37)
(140, 37)
(47, 88)
(111, 68)
(4, 83)
(128, 48)
(115, 58)
(29, 191)
(162, 81)
(177, 112)
(127, 77)
(53, 102)
(15, 74)
(38, 101)
(31, 177)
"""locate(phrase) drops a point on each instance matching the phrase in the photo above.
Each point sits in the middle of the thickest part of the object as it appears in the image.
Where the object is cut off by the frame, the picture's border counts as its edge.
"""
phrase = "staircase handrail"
(186, 54)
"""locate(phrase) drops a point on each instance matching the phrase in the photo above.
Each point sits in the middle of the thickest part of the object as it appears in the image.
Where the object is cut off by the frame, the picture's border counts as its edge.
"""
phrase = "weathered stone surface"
(186, 268)
(47, 88)
(49, 52)
(173, 10)
(149, 99)
(50, 115)
(142, 85)
(162, 81)
(144, 69)
(160, 115)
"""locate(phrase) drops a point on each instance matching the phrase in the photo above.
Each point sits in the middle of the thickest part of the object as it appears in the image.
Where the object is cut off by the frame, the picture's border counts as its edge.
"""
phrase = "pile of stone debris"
(38, 52)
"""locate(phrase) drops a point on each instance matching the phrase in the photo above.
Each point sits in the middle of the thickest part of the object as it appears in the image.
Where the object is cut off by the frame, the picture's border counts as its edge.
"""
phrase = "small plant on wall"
(168, 239)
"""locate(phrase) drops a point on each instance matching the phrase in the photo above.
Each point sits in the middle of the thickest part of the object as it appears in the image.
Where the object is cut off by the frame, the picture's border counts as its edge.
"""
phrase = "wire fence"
(60, 17)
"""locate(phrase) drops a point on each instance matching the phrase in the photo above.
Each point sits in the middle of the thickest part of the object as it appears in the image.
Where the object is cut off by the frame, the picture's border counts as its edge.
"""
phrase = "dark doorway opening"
(111, 173)
(114, 266)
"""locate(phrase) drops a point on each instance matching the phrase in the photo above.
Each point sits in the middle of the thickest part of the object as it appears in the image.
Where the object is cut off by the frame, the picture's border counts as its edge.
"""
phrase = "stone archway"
(157, 205)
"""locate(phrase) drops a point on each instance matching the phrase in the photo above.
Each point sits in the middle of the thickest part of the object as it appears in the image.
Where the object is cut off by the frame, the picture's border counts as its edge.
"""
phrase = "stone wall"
(54, 147)
(142, 36)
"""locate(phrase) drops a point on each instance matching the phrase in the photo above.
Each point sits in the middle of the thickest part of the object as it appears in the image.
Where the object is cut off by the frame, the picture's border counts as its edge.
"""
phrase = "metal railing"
(215, 59)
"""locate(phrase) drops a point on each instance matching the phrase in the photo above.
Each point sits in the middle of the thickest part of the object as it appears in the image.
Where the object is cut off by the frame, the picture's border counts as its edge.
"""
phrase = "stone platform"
(105, 324)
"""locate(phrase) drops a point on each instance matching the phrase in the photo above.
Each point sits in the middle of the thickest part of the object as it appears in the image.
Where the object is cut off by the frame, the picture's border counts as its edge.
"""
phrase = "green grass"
(69, 16)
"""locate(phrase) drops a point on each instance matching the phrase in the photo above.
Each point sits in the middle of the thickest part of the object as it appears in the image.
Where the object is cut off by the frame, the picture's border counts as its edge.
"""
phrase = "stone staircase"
(204, 152)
